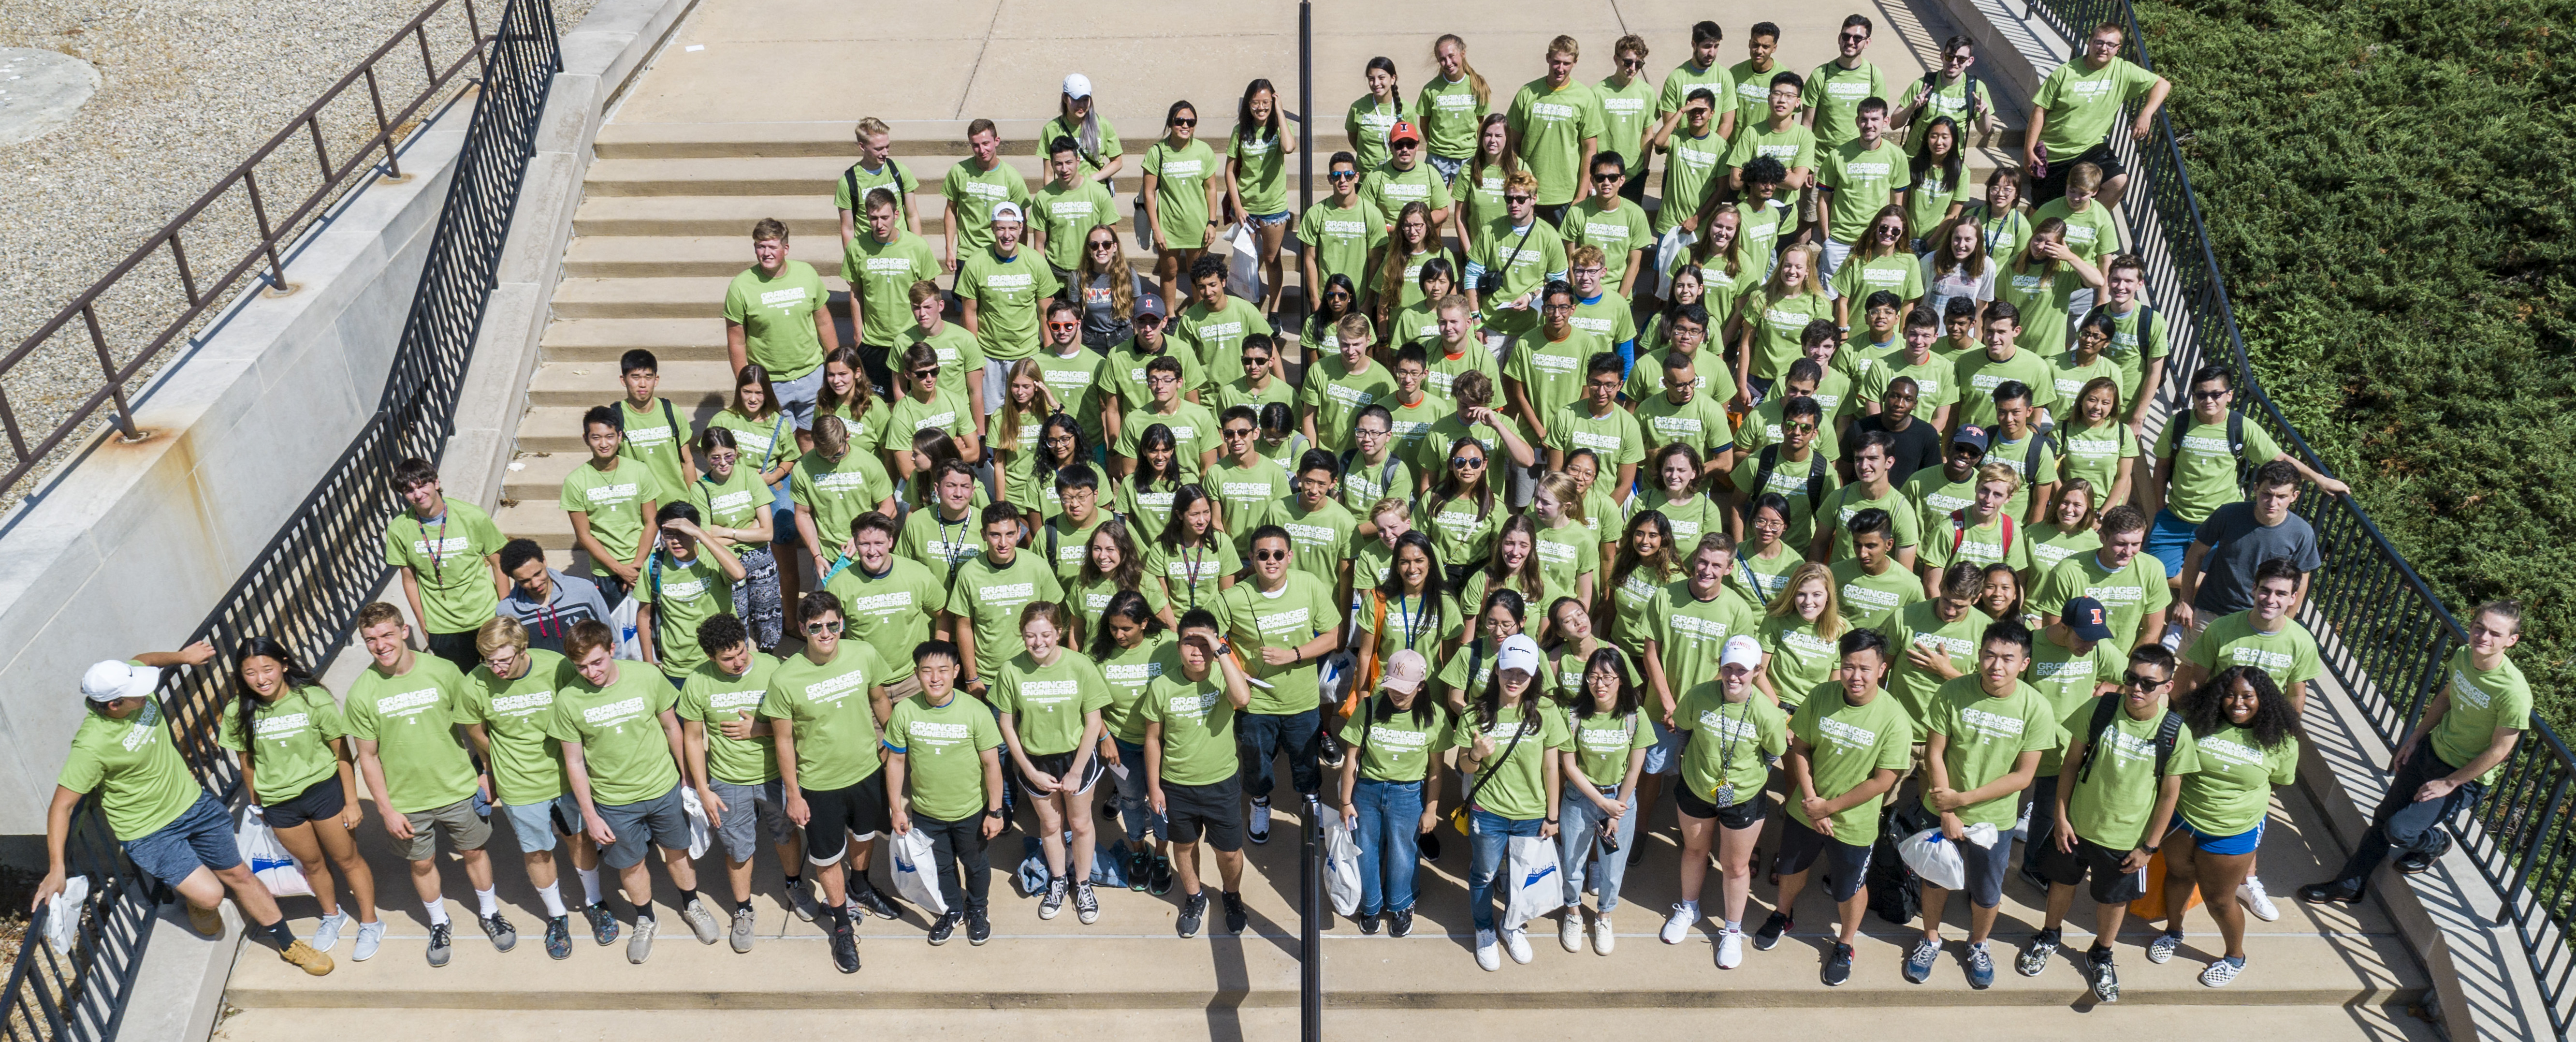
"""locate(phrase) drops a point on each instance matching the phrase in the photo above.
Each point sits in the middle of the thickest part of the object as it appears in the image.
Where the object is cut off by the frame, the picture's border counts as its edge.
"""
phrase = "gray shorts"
(796, 397)
(762, 805)
(997, 384)
(540, 825)
(462, 822)
(662, 821)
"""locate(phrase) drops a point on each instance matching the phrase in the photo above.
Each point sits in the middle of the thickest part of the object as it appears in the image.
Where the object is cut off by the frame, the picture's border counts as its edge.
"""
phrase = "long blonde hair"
(1007, 432)
(1475, 80)
(1122, 276)
(1829, 623)
(1773, 289)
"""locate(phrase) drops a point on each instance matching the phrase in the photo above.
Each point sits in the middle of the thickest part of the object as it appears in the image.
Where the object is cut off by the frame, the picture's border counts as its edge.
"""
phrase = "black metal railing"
(306, 586)
(2387, 635)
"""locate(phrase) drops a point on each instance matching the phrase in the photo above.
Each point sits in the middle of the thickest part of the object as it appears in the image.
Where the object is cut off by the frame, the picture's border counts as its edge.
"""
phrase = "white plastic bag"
(1243, 268)
(268, 858)
(1532, 885)
(1341, 864)
(1670, 248)
(621, 621)
(1932, 856)
(63, 914)
(912, 868)
(700, 836)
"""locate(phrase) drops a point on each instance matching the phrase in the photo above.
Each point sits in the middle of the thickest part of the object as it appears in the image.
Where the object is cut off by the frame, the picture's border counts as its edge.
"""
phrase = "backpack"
(1385, 474)
(1770, 462)
(1959, 531)
(1892, 884)
(1932, 80)
(903, 187)
(2106, 708)
(2235, 442)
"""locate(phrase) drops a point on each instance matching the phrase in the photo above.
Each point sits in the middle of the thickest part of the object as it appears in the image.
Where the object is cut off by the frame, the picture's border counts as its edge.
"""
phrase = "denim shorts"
(2245, 842)
(1665, 756)
(201, 837)
(1269, 220)
(539, 825)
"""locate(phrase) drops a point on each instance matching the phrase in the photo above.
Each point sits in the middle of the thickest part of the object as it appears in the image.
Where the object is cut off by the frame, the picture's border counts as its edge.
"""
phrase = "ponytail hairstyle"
(1475, 80)
(246, 702)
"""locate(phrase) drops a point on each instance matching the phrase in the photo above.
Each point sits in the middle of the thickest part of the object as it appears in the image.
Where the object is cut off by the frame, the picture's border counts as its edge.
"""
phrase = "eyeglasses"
(1467, 462)
(1066, 323)
(1367, 433)
(2141, 683)
(1269, 555)
(1558, 309)
(818, 628)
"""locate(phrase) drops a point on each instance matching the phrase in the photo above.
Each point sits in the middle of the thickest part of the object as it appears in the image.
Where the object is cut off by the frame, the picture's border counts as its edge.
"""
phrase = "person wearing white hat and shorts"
(1735, 733)
(1078, 119)
(1508, 740)
(1387, 787)
(171, 827)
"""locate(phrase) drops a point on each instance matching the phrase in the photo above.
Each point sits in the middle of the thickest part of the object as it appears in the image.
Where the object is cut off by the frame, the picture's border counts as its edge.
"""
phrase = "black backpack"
(2235, 442)
(903, 186)
(2106, 708)
(1893, 893)
(1932, 80)
(1769, 462)
(1385, 474)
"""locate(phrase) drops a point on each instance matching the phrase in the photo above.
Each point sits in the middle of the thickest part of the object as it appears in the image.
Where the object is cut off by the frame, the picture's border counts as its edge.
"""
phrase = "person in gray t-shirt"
(2218, 569)
(545, 600)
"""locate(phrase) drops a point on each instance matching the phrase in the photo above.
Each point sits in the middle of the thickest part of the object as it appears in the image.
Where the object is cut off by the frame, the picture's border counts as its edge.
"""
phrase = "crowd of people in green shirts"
(1485, 544)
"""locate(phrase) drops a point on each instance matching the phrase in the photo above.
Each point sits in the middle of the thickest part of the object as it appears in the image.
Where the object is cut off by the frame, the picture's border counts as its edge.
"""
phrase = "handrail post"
(1306, 124)
(1310, 918)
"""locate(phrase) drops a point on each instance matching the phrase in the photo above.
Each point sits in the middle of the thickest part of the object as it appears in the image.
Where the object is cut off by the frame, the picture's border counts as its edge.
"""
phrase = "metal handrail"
(195, 299)
(2388, 634)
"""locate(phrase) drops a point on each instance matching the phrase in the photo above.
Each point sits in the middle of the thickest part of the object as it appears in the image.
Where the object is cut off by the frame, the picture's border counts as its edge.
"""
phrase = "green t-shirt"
(1198, 726)
(1919, 625)
(1518, 790)
(1108, 146)
(1091, 600)
(2068, 679)
(1388, 189)
(1122, 373)
(614, 499)
(1694, 632)
(2204, 470)
(460, 538)
(1399, 748)
(1730, 742)
(1336, 395)
(1193, 427)
(1842, 504)
(2092, 233)
(1778, 323)
(1566, 553)
(2042, 298)
(1217, 335)
(1296, 613)
(1976, 376)
(836, 493)
(1239, 391)
(1249, 495)
(890, 613)
(1341, 238)
(1863, 180)
(1408, 622)
(1006, 292)
(1986, 734)
(1935, 382)
(2126, 352)
(2051, 546)
(1125, 675)
(1935, 496)
(1067, 215)
(1080, 384)
(1867, 599)
(1050, 702)
(134, 765)
(1527, 255)
(712, 697)
(1957, 538)
(1367, 123)
(1847, 744)
(619, 728)
(763, 443)
(1615, 438)
(653, 438)
(2231, 789)
(1899, 273)
(1796, 147)
(990, 596)
(736, 502)
(1410, 425)
(1836, 93)
(960, 356)
(1318, 539)
(851, 192)
(943, 749)
(2084, 102)
(2111, 806)
(1551, 370)
(1929, 201)
(526, 762)
(827, 705)
(1180, 191)
(2289, 656)
(683, 594)
(1691, 166)
(1616, 232)
(1072, 544)
(412, 719)
(972, 197)
(1632, 604)
(294, 736)
(1700, 423)
(946, 412)
(777, 318)
(1457, 531)
(2129, 594)
(1801, 657)
(1605, 314)
(2094, 453)
(883, 274)
(1804, 483)
(1551, 123)
(1449, 114)
(1602, 744)
(1752, 99)
(2481, 702)
(1261, 171)
(1626, 112)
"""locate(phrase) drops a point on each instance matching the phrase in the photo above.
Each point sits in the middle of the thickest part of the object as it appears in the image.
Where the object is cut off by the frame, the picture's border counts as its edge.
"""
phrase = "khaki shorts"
(461, 822)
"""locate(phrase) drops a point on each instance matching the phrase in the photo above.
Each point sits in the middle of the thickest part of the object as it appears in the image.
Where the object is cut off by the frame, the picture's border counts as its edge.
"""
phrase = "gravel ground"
(189, 89)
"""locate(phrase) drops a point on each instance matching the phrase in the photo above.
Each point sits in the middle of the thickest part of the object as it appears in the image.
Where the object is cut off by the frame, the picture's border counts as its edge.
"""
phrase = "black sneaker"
(1235, 915)
(943, 928)
(874, 901)
(1140, 869)
(603, 924)
(2337, 892)
(1636, 853)
(1399, 923)
(559, 937)
(2030, 875)
(1768, 937)
(2106, 978)
(1368, 924)
(979, 927)
(1837, 965)
(1328, 750)
(1162, 883)
(2034, 959)
(504, 936)
(845, 942)
(1429, 844)
(2414, 863)
(1193, 912)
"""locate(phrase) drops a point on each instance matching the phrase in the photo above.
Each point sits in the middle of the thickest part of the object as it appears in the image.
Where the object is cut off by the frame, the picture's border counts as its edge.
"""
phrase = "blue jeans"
(2168, 537)
(1581, 834)
(2403, 823)
(1390, 816)
(1488, 835)
(1261, 736)
(1134, 809)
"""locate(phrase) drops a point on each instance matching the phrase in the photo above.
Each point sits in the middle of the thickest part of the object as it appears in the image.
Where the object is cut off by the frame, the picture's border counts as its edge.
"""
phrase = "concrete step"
(704, 256)
(790, 175)
(699, 297)
(912, 139)
(603, 339)
(694, 386)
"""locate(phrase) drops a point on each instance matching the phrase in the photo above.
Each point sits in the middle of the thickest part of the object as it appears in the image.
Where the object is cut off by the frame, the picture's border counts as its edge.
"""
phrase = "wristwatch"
(995, 813)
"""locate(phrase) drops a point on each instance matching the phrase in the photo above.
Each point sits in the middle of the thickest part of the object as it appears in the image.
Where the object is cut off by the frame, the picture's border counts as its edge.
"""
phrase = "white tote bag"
(912, 868)
(1243, 267)
(621, 621)
(268, 858)
(1532, 884)
(700, 835)
(1341, 864)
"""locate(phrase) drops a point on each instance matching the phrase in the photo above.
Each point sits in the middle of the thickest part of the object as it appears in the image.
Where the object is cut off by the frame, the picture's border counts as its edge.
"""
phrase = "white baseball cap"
(1077, 85)
(1742, 651)
(1518, 652)
(116, 678)
(1009, 212)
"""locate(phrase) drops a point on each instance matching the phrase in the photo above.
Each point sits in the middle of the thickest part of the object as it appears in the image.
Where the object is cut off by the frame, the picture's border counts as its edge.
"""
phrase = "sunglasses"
(1518, 199)
(823, 627)
(1613, 176)
(1853, 37)
(1065, 324)
(1269, 555)
(1467, 463)
(1343, 175)
(1192, 122)
(1239, 432)
(1107, 245)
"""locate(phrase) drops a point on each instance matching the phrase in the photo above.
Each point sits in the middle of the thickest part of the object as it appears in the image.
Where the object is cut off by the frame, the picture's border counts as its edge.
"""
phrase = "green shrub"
(2387, 187)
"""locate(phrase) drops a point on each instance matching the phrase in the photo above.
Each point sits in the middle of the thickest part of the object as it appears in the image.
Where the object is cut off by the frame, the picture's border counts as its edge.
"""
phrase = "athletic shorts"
(1749, 809)
(2111, 886)
(1665, 756)
(2053, 186)
(1987, 867)
(796, 397)
(1214, 809)
(319, 801)
(201, 837)
(2232, 845)
(1846, 864)
(465, 823)
(662, 821)
(751, 811)
(1058, 763)
(540, 826)
(836, 814)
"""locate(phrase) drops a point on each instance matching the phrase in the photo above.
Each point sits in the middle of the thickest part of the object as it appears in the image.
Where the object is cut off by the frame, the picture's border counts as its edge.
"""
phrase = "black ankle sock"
(688, 895)
(277, 933)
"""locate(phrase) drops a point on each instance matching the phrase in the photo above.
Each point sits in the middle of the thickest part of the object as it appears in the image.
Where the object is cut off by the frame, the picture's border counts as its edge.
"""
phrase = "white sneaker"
(1678, 927)
(2021, 825)
(1569, 930)
(371, 936)
(2250, 893)
(1488, 956)
(1603, 937)
(1260, 830)
(1730, 949)
(1517, 941)
(326, 934)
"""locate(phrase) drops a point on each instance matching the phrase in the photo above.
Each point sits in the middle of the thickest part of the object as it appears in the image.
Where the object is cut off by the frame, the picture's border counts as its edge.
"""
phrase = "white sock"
(552, 895)
(437, 911)
(487, 902)
(1735, 926)
(589, 885)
